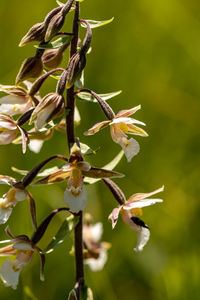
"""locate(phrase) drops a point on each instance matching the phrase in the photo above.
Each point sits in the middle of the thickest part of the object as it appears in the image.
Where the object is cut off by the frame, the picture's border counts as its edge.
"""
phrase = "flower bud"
(32, 67)
(51, 106)
(54, 26)
(52, 58)
(35, 34)
(75, 68)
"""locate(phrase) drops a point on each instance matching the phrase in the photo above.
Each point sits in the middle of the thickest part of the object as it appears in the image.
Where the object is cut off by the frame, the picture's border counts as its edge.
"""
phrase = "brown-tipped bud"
(51, 107)
(35, 34)
(52, 58)
(76, 66)
(54, 26)
(32, 67)
(13, 90)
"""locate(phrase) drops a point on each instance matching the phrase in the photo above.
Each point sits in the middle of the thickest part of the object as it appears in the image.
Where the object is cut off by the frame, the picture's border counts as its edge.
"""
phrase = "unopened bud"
(54, 26)
(32, 67)
(52, 58)
(35, 34)
(50, 107)
(13, 90)
(76, 66)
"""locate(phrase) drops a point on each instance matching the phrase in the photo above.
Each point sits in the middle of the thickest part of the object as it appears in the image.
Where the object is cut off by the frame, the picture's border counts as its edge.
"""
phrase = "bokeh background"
(151, 52)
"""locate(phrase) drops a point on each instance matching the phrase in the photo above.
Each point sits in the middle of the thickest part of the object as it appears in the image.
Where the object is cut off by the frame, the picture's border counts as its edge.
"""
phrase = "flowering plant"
(28, 118)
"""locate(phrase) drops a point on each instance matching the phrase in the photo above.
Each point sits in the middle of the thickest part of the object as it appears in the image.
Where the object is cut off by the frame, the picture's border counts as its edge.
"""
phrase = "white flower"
(76, 201)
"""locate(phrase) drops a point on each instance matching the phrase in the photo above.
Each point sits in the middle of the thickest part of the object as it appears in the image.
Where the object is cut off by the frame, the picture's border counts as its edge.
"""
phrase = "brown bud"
(54, 26)
(52, 58)
(50, 107)
(76, 66)
(35, 34)
(13, 90)
(32, 67)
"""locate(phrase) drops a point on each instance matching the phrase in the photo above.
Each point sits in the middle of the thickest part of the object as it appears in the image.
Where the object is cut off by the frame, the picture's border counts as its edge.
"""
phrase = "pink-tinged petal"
(25, 139)
(13, 99)
(7, 250)
(113, 217)
(128, 112)
(116, 133)
(4, 214)
(141, 196)
(141, 203)
(7, 137)
(35, 145)
(97, 264)
(130, 147)
(132, 129)
(9, 274)
(6, 180)
(96, 128)
(139, 227)
(76, 203)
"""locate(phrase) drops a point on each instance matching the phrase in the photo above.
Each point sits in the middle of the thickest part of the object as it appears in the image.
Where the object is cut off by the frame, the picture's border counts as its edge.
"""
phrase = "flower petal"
(97, 231)
(58, 176)
(132, 129)
(141, 203)
(128, 112)
(6, 180)
(131, 148)
(126, 121)
(141, 196)
(116, 133)
(35, 145)
(96, 128)
(4, 214)
(113, 217)
(76, 203)
(9, 275)
(143, 235)
(20, 195)
(97, 264)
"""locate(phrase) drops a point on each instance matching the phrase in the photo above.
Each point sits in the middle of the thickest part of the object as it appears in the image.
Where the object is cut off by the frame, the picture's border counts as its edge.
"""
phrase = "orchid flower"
(119, 126)
(95, 252)
(130, 210)
(76, 170)
(9, 131)
(11, 198)
(18, 100)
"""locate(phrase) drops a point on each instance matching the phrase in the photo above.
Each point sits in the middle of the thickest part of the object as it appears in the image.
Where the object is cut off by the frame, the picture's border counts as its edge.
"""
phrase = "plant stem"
(78, 239)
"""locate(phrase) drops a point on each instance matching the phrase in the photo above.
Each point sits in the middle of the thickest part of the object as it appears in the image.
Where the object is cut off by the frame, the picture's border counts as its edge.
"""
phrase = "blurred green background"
(152, 52)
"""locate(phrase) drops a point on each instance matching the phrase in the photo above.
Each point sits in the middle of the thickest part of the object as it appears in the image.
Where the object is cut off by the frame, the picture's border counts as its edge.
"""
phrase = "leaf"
(79, 83)
(65, 39)
(65, 229)
(29, 293)
(110, 166)
(88, 97)
(86, 293)
(72, 295)
(86, 150)
(95, 24)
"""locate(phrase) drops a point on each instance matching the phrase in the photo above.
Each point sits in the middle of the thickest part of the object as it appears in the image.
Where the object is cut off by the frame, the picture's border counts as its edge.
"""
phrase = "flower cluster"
(29, 118)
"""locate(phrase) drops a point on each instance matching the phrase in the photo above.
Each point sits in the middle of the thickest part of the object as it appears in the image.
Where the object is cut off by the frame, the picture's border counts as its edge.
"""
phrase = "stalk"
(78, 239)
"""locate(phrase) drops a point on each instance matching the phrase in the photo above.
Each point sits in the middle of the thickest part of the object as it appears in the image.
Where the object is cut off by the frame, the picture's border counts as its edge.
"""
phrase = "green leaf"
(110, 166)
(86, 150)
(62, 40)
(29, 293)
(65, 229)
(88, 97)
(79, 83)
(95, 24)
(72, 295)
(86, 293)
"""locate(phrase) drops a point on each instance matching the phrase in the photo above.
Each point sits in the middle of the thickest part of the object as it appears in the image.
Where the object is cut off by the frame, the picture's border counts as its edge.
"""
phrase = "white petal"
(23, 246)
(76, 203)
(97, 264)
(143, 235)
(35, 145)
(97, 231)
(130, 147)
(77, 117)
(9, 276)
(43, 115)
(4, 214)
(20, 195)
(141, 203)
(13, 99)
(127, 121)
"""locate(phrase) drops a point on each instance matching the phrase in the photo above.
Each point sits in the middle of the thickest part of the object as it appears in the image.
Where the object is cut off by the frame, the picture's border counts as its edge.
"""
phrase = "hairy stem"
(78, 239)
